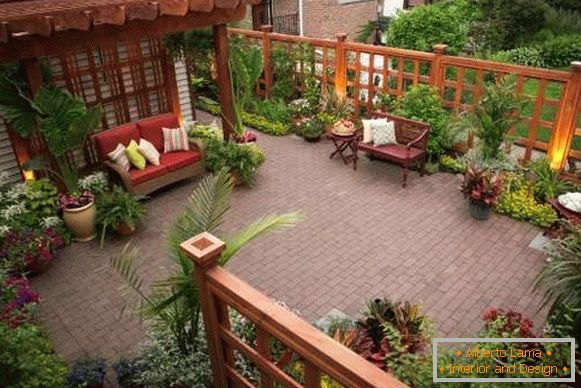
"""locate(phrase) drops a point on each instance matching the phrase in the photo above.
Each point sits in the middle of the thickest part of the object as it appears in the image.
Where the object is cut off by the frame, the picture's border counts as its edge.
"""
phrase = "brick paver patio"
(363, 236)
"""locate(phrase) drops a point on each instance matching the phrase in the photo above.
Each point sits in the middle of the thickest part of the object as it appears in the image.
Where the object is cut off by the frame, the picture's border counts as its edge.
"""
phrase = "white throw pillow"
(571, 201)
(118, 156)
(383, 133)
(367, 132)
(149, 152)
(175, 139)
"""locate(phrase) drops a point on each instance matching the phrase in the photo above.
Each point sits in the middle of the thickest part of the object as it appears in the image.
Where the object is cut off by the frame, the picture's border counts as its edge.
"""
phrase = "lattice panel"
(574, 156)
(385, 71)
(542, 89)
(128, 79)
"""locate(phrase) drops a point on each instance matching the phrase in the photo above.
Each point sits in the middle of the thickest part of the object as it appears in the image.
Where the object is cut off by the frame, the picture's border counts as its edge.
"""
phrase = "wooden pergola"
(30, 29)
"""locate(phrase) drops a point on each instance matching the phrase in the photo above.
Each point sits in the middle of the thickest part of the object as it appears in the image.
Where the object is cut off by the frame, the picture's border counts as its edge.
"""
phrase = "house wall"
(324, 18)
(284, 7)
(7, 158)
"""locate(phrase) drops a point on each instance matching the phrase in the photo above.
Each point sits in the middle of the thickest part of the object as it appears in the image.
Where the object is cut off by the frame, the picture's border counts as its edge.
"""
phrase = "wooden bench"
(411, 147)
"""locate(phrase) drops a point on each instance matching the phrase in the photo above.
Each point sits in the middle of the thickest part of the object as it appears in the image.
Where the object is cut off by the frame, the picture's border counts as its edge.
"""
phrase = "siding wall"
(7, 158)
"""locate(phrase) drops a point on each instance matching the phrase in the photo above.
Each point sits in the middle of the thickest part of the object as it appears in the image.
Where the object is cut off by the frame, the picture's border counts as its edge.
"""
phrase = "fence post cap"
(203, 249)
(341, 36)
(576, 66)
(440, 48)
(266, 28)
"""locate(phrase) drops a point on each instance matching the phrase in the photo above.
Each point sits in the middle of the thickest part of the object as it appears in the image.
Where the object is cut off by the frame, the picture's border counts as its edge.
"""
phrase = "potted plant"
(242, 160)
(64, 122)
(119, 211)
(482, 189)
(311, 130)
(459, 134)
(88, 372)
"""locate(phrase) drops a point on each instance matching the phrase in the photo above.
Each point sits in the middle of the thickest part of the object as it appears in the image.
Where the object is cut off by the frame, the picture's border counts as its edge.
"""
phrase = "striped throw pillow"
(148, 150)
(175, 139)
(118, 156)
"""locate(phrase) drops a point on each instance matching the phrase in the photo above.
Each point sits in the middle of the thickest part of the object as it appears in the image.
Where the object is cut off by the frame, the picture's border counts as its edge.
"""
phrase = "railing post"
(341, 66)
(204, 250)
(564, 132)
(266, 58)
(437, 73)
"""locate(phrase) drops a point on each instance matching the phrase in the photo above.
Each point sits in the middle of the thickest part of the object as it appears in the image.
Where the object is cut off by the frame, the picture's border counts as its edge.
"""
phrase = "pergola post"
(224, 80)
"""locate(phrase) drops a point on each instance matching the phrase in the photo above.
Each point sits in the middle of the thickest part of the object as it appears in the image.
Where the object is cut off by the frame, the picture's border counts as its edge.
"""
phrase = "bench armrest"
(123, 175)
(420, 139)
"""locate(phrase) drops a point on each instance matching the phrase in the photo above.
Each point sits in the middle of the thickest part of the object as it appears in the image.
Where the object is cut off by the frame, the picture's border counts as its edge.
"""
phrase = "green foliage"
(264, 125)
(517, 201)
(205, 132)
(423, 103)
(560, 279)
(242, 159)
(246, 67)
(174, 301)
(446, 22)
(97, 183)
(116, 208)
(570, 5)
(561, 51)
(450, 164)
(494, 115)
(283, 87)
(41, 197)
(16, 108)
(161, 363)
(525, 56)
(27, 359)
(276, 111)
(508, 23)
(564, 21)
(547, 183)
(311, 129)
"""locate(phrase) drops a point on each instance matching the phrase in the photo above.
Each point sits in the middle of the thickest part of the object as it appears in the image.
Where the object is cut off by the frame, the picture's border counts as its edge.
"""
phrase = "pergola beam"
(64, 41)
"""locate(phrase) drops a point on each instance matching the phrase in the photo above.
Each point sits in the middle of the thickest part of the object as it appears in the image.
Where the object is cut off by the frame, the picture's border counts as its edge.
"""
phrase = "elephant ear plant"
(62, 119)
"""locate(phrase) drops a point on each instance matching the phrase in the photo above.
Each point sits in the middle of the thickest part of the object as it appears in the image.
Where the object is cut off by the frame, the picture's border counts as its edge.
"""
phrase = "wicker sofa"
(173, 166)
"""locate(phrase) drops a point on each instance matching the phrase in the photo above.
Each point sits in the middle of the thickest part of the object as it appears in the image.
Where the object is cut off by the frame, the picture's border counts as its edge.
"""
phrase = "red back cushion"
(106, 141)
(150, 128)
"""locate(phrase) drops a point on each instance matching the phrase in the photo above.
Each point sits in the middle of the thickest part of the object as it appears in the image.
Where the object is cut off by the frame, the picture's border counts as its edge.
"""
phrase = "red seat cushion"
(107, 140)
(398, 151)
(149, 172)
(176, 160)
(150, 128)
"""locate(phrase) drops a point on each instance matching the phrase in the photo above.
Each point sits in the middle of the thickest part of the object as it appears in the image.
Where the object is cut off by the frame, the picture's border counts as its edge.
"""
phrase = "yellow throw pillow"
(135, 157)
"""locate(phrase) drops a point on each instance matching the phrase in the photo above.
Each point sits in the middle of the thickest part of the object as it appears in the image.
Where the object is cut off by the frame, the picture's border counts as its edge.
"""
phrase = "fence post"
(564, 133)
(204, 250)
(266, 58)
(437, 75)
(341, 66)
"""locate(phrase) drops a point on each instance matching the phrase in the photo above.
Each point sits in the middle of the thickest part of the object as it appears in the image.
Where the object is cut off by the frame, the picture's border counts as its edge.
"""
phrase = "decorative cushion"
(148, 173)
(392, 151)
(119, 157)
(571, 201)
(176, 160)
(367, 133)
(175, 139)
(148, 150)
(383, 133)
(108, 140)
(150, 128)
(135, 156)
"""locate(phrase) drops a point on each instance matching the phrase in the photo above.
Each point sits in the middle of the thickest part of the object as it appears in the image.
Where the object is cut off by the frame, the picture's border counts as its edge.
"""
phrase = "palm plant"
(62, 119)
(174, 301)
(494, 115)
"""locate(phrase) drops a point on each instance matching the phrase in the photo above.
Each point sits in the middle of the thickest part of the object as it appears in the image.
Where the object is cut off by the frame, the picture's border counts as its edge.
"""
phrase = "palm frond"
(262, 226)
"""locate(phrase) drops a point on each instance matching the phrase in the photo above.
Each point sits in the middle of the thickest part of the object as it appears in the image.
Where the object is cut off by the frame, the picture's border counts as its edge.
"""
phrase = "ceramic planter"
(81, 221)
(236, 179)
(478, 210)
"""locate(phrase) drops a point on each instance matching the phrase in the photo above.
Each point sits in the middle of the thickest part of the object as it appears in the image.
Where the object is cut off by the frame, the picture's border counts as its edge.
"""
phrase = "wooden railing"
(319, 355)
(551, 122)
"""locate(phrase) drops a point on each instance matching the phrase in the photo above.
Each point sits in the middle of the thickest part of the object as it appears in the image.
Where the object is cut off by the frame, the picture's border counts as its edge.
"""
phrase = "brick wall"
(285, 7)
(324, 18)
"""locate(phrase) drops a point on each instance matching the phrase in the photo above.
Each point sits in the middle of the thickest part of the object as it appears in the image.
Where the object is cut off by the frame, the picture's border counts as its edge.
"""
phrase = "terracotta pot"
(328, 128)
(124, 229)
(81, 221)
(236, 179)
(461, 148)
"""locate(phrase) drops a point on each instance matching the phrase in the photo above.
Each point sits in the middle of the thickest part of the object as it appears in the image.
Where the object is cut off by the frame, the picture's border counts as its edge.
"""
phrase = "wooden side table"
(345, 147)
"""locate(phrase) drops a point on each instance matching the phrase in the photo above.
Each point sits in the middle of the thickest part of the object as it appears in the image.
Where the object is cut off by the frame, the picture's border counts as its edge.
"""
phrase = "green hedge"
(252, 120)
